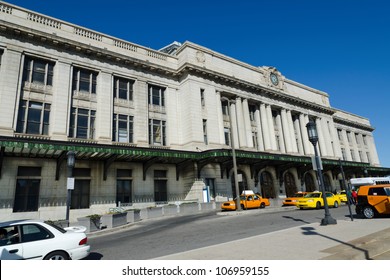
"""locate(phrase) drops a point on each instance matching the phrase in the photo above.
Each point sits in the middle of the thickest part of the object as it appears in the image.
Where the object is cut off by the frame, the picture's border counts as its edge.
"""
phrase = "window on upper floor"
(365, 139)
(156, 95)
(225, 108)
(123, 88)
(123, 128)
(157, 132)
(84, 80)
(38, 71)
(82, 123)
(202, 98)
(340, 134)
(252, 112)
(349, 137)
(205, 140)
(226, 131)
(33, 117)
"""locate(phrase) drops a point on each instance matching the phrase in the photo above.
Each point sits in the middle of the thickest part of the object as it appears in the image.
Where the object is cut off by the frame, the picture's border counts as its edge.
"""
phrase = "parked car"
(315, 200)
(36, 239)
(247, 201)
(343, 196)
(373, 200)
(292, 201)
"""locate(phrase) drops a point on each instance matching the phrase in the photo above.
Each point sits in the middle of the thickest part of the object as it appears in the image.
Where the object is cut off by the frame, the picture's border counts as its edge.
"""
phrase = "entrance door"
(289, 184)
(309, 183)
(267, 185)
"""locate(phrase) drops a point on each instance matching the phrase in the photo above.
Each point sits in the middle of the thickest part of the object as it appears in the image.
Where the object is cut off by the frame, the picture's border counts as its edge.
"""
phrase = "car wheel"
(57, 256)
(262, 205)
(318, 205)
(243, 207)
(368, 212)
(336, 204)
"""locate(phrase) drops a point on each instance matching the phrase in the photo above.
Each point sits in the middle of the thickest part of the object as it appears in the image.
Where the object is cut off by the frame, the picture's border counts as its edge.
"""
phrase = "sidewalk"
(348, 240)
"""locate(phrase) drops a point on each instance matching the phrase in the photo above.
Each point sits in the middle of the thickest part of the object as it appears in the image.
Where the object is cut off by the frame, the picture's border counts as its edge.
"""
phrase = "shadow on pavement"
(311, 231)
(94, 256)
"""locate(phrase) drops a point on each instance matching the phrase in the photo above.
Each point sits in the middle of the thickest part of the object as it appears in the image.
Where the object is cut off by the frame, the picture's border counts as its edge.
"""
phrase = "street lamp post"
(70, 181)
(238, 202)
(313, 138)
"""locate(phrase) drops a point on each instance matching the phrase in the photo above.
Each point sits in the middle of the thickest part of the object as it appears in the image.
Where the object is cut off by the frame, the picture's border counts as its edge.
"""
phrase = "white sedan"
(36, 239)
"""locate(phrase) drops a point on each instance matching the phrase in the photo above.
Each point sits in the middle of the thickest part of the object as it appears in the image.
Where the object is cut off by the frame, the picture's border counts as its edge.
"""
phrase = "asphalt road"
(159, 237)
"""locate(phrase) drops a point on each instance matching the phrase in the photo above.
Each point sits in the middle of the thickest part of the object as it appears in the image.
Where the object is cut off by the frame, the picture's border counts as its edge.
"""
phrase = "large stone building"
(150, 127)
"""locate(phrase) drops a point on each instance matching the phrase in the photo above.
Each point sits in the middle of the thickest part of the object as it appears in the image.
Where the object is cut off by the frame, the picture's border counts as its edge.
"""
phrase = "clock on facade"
(274, 79)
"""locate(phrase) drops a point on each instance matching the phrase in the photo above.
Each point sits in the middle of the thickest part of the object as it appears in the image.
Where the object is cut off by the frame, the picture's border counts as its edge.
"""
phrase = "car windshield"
(387, 190)
(299, 195)
(313, 195)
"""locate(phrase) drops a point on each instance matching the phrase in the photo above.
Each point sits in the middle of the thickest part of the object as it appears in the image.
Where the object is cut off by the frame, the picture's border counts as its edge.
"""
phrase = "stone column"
(286, 131)
(321, 139)
(282, 134)
(260, 138)
(335, 137)
(374, 159)
(327, 138)
(104, 112)
(271, 128)
(233, 125)
(294, 146)
(221, 131)
(305, 139)
(299, 133)
(265, 128)
(247, 123)
(10, 85)
(60, 108)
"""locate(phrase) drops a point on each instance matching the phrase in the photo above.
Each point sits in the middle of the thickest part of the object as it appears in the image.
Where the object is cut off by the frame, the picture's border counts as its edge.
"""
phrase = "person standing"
(354, 196)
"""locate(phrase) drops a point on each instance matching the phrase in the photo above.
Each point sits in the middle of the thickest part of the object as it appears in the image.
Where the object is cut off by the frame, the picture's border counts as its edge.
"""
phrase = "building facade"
(154, 127)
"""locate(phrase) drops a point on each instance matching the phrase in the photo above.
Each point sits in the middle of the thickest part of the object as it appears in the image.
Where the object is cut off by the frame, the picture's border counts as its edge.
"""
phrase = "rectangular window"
(254, 139)
(156, 95)
(38, 71)
(157, 132)
(357, 138)
(82, 123)
(202, 98)
(27, 189)
(160, 186)
(123, 88)
(349, 136)
(84, 80)
(80, 195)
(122, 128)
(33, 117)
(340, 134)
(364, 139)
(252, 112)
(225, 108)
(205, 132)
(226, 131)
(352, 155)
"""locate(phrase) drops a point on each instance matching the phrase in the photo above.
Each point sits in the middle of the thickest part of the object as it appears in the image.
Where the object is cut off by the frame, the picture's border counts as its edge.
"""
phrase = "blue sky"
(341, 47)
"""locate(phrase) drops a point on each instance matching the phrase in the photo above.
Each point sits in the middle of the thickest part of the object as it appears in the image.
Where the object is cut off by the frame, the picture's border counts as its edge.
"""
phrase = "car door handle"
(14, 251)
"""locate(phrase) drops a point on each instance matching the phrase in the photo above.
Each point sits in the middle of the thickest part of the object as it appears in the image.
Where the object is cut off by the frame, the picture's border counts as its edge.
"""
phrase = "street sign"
(70, 184)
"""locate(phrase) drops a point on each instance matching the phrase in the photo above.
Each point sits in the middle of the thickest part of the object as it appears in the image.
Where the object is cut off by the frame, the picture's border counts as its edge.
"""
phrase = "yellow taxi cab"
(342, 195)
(247, 200)
(292, 201)
(315, 200)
